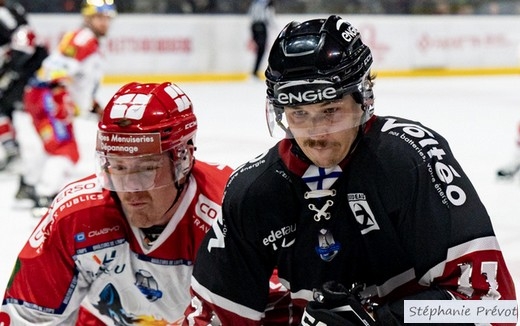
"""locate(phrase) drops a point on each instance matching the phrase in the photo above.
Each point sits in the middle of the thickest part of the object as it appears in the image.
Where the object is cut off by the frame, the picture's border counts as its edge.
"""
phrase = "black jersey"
(398, 215)
(21, 56)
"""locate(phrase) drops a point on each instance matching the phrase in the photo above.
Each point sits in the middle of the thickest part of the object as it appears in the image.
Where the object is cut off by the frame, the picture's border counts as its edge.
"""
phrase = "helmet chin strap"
(180, 189)
(178, 185)
(152, 233)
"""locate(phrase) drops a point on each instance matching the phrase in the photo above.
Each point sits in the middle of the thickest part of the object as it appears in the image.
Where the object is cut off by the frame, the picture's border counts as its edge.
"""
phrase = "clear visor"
(133, 174)
(314, 119)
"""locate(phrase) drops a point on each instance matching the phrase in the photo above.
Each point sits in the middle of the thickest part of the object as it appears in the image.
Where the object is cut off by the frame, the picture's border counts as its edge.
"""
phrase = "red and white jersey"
(85, 264)
(78, 61)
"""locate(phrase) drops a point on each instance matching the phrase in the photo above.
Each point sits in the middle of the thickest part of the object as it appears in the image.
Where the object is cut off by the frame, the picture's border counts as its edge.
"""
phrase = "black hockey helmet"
(328, 50)
(318, 60)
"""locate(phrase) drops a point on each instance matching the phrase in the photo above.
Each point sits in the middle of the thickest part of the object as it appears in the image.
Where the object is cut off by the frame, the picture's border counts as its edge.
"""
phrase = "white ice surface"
(478, 115)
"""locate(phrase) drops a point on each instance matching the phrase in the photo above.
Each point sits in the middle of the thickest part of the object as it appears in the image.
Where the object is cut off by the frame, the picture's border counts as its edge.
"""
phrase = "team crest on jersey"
(327, 247)
(147, 284)
(362, 212)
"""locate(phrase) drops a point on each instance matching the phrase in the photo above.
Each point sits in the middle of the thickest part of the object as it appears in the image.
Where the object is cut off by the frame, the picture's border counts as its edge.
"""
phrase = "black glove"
(334, 305)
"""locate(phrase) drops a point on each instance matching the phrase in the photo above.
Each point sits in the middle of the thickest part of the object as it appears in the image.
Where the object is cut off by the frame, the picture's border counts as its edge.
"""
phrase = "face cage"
(145, 172)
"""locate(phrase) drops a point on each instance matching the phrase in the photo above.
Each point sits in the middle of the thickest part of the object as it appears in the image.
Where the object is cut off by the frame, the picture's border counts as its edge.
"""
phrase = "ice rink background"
(478, 115)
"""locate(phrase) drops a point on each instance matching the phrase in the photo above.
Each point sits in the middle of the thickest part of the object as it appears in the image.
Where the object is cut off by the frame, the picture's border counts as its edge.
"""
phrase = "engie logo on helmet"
(305, 92)
(128, 144)
(350, 33)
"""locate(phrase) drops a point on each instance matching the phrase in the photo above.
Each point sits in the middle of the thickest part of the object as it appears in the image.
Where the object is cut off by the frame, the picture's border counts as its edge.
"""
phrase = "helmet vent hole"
(166, 133)
(123, 122)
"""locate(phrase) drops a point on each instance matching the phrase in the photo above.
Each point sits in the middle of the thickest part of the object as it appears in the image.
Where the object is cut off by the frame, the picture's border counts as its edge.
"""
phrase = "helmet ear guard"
(365, 96)
(183, 159)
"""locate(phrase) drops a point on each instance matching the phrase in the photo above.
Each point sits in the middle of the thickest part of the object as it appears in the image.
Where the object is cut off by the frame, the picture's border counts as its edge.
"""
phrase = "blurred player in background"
(261, 13)
(65, 88)
(509, 170)
(20, 57)
(118, 248)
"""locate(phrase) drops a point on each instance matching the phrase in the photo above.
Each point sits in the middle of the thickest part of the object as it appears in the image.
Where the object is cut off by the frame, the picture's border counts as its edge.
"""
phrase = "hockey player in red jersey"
(117, 248)
(65, 88)
(352, 208)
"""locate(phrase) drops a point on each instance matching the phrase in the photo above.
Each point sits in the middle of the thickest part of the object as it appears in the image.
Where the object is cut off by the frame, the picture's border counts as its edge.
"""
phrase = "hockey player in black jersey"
(347, 200)
(20, 57)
